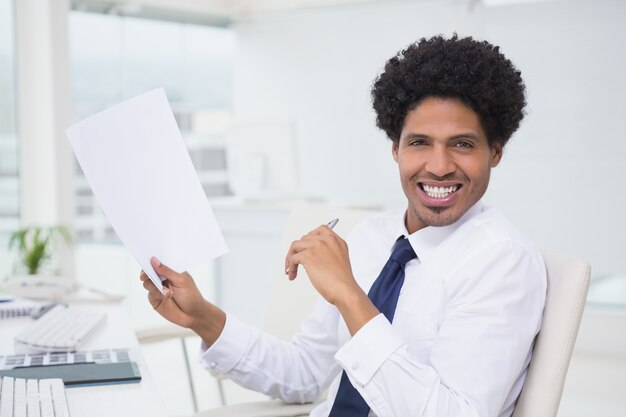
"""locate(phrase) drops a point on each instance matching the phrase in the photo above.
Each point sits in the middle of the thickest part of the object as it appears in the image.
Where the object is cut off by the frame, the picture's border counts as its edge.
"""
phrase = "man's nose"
(440, 163)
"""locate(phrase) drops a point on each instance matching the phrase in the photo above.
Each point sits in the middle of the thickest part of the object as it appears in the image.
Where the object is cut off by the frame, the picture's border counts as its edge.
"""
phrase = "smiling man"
(428, 311)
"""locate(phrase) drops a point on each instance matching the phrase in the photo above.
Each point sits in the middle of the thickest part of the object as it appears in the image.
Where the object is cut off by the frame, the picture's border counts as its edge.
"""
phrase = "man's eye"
(464, 144)
(417, 142)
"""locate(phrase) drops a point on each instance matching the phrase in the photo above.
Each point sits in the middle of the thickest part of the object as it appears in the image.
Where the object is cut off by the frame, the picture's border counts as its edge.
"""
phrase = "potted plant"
(33, 275)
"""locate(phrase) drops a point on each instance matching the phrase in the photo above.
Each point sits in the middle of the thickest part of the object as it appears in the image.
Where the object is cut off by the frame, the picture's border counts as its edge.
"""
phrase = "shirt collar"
(425, 240)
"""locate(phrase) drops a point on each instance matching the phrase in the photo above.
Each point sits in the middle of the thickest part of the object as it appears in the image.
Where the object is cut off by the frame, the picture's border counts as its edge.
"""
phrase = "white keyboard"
(62, 358)
(32, 398)
(62, 329)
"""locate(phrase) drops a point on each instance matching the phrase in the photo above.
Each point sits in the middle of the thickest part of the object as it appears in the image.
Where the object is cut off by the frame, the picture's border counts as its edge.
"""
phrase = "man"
(445, 326)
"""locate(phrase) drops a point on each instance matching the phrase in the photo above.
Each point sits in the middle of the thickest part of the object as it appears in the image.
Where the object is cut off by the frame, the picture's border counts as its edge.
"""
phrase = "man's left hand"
(325, 257)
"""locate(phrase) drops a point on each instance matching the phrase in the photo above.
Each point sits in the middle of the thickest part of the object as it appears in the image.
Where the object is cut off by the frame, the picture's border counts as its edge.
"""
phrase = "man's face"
(444, 160)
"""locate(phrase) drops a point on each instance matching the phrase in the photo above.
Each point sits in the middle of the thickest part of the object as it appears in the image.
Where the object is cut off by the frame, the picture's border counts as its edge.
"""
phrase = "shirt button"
(355, 365)
(212, 365)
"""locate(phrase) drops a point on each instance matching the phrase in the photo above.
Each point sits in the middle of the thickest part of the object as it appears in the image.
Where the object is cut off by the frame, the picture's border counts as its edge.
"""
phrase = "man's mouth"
(439, 192)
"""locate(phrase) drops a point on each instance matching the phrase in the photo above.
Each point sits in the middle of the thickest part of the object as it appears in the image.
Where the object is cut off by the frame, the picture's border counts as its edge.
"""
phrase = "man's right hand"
(182, 303)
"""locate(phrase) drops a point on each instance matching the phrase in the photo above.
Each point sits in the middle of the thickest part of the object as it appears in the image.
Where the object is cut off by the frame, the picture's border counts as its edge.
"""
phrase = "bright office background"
(309, 65)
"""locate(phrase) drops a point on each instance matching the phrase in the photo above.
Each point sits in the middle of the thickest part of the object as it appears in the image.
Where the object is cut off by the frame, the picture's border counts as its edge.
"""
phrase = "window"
(9, 185)
(114, 58)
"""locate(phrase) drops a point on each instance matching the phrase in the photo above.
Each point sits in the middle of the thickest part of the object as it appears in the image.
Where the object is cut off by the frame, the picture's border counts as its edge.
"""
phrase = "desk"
(132, 400)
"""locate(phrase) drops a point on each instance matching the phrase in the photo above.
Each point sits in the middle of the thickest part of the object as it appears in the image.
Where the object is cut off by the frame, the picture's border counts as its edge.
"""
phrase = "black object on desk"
(80, 374)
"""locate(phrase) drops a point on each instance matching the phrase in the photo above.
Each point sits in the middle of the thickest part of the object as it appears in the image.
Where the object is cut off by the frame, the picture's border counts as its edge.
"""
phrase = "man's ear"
(394, 149)
(496, 154)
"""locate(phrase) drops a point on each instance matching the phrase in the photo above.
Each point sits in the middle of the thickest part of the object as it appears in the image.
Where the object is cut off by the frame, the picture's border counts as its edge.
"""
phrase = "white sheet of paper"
(134, 158)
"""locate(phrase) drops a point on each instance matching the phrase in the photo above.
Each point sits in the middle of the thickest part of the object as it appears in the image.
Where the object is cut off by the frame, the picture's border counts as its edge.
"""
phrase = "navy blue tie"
(384, 295)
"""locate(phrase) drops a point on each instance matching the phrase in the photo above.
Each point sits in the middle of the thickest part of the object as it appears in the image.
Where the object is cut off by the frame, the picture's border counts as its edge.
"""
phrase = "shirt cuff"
(363, 355)
(228, 349)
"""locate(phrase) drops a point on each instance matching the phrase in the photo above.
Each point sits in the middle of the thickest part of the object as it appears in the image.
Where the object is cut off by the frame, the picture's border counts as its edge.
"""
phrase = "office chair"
(568, 283)
(168, 332)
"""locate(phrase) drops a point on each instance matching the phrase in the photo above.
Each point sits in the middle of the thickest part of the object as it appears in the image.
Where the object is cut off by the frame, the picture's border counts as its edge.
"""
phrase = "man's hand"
(325, 257)
(183, 304)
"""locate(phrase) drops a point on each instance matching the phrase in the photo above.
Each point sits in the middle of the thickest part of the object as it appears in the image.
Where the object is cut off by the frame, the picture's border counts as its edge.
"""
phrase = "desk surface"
(132, 400)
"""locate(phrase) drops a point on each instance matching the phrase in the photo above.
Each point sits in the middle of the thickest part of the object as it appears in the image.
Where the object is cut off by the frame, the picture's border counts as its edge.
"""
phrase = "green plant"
(35, 244)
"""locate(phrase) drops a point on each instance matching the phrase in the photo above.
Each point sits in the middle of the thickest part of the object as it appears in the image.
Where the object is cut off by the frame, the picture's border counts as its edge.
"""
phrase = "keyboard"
(62, 329)
(61, 358)
(32, 398)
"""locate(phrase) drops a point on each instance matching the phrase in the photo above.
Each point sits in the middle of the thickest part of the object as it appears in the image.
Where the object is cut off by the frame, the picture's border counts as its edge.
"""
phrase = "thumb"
(165, 271)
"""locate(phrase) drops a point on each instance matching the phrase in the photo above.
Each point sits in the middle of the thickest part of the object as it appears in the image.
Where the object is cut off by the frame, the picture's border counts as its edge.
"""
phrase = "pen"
(331, 224)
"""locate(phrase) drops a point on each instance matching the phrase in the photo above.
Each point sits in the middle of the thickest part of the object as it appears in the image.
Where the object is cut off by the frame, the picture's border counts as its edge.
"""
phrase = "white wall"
(560, 178)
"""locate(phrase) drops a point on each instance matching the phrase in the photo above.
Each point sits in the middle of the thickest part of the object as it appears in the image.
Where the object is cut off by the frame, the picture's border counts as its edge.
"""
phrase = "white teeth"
(439, 192)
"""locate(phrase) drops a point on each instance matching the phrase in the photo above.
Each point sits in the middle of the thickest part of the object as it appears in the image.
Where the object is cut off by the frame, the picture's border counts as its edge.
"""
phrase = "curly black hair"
(472, 71)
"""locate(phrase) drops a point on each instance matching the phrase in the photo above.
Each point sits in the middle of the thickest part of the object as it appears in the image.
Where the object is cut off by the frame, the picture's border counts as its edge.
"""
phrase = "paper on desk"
(134, 158)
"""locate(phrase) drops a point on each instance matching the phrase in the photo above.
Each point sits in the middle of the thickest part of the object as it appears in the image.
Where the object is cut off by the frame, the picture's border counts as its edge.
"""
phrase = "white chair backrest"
(290, 302)
(568, 282)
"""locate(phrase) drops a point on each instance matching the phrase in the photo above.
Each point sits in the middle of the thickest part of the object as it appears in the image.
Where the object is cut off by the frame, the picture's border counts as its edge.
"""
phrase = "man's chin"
(439, 216)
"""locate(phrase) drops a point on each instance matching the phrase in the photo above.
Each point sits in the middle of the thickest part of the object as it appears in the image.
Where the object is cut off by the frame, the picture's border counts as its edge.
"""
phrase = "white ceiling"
(226, 8)
(223, 12)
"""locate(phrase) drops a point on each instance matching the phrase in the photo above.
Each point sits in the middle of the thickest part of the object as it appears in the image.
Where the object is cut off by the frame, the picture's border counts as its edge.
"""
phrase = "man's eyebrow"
(466, 135)
(415, 136)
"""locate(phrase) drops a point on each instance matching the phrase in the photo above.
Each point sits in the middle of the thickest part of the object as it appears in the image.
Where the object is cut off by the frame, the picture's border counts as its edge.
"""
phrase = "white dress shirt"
(461, 338)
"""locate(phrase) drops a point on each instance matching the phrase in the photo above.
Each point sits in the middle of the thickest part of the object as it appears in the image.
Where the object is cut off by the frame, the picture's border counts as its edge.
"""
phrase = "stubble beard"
(435, 217)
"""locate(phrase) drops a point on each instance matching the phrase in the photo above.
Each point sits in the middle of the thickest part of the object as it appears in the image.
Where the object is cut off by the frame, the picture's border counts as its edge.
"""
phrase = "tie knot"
(402, 251)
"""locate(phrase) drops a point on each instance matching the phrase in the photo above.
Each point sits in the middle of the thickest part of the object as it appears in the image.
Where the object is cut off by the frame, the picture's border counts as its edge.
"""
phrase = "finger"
(303, 244)
(292, 272)
(155, 299)
(327, 236)
(149, 285)
(154, 295)
(144, 277)
(294, 261)
(297, 246)
(292, 249)
(166, 272)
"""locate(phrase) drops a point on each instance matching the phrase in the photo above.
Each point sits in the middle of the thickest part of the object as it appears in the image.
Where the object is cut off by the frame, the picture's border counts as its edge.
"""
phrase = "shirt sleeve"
(227, 351)
(492, 313)
(296, 371)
